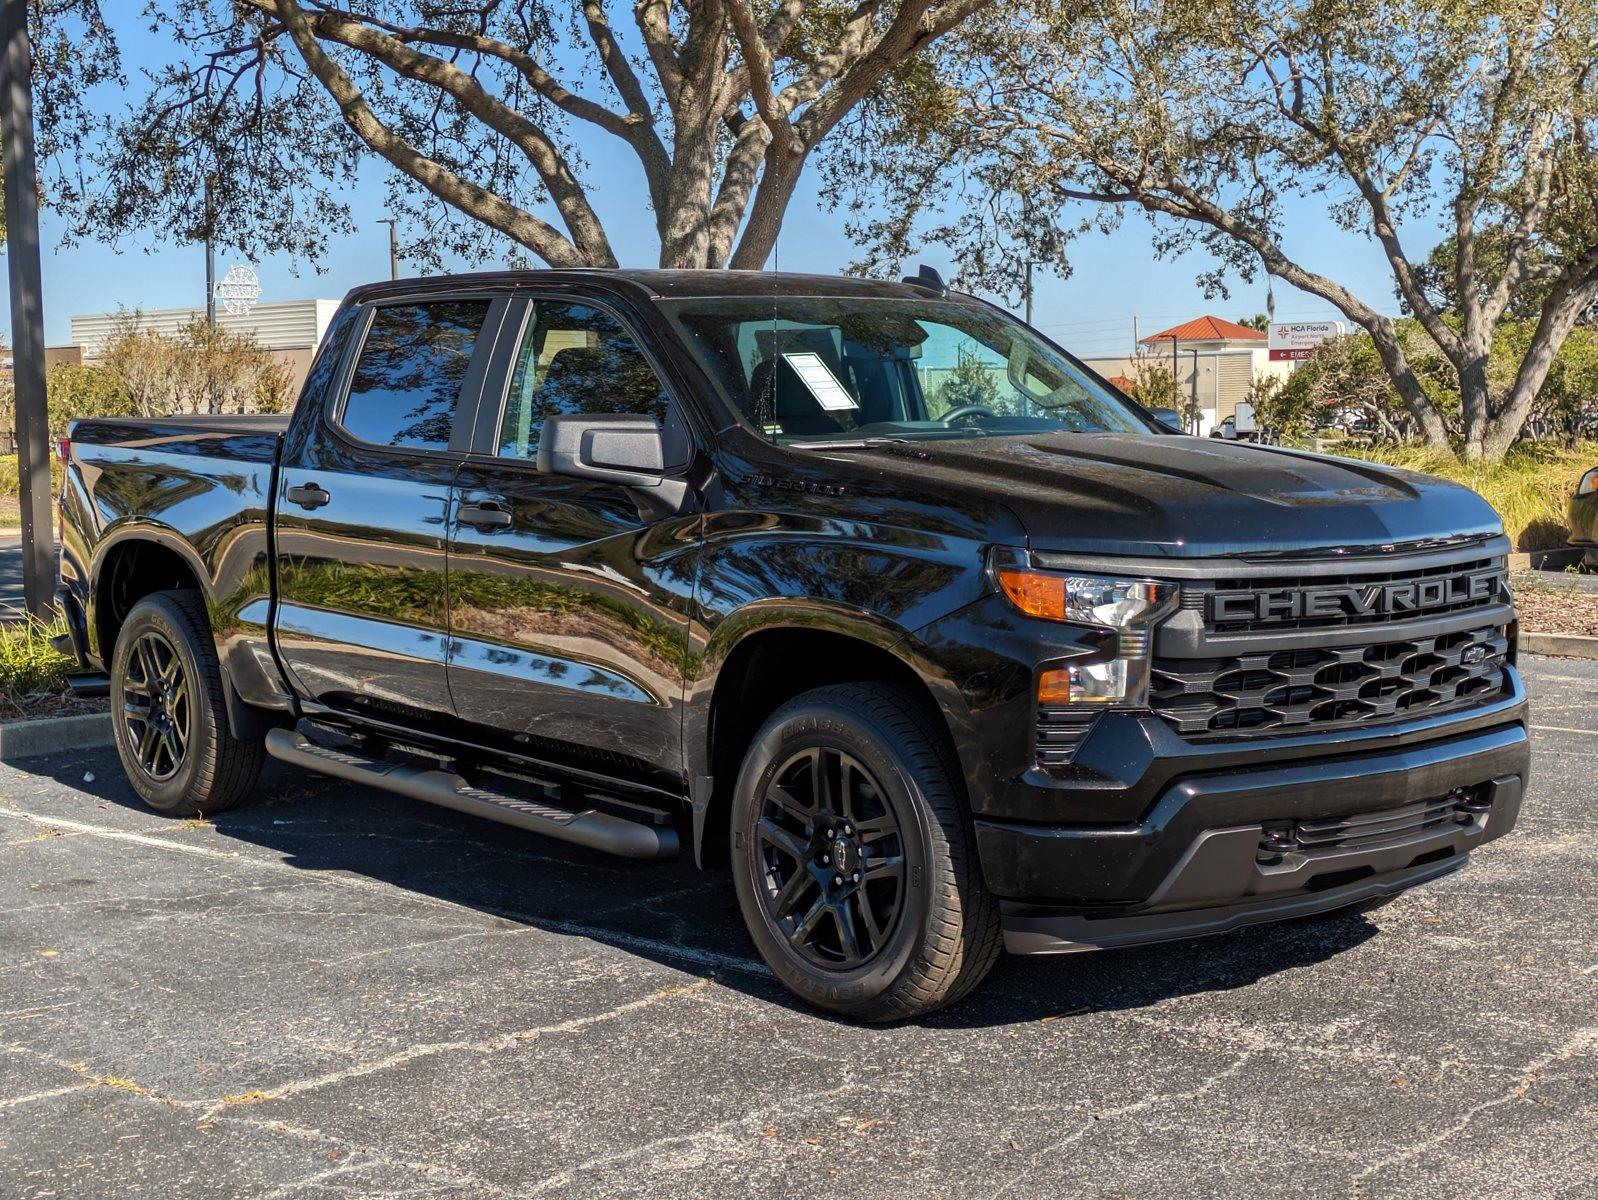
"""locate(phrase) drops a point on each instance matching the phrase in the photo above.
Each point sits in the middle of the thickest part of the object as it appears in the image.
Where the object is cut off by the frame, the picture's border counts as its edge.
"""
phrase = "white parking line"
(646, 946)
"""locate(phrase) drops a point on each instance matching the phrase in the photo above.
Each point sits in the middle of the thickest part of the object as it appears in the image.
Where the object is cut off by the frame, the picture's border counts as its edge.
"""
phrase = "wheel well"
(132, 571)
(762, 673)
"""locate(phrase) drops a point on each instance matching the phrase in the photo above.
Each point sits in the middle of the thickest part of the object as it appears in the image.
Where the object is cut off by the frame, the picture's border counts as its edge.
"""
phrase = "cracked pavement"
(334, 992)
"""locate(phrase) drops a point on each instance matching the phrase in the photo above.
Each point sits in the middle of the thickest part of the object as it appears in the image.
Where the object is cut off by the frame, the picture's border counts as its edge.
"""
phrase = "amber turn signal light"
(1036, 593)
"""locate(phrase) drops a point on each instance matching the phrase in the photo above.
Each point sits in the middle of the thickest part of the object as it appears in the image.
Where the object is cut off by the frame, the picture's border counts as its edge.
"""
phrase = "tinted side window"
(407, 381)
(575, 359)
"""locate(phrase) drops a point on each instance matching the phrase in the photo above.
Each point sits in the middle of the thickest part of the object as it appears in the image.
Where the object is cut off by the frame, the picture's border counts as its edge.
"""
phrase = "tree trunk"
(1560, 314)
(685, 240)
(1404, 379)
(1474, 397)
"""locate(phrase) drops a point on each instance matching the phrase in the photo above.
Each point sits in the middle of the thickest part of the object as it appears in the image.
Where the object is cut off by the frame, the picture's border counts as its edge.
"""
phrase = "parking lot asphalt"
(333, 992)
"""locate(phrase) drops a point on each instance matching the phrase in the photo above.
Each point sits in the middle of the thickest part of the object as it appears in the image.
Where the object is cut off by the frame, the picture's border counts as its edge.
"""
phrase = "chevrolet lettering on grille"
(1356, 600)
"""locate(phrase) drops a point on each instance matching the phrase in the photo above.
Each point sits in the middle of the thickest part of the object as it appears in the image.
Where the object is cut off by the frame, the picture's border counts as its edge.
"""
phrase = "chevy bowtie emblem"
(1473, 654)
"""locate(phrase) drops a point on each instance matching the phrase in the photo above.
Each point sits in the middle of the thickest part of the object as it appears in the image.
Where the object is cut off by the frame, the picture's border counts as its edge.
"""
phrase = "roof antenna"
(927, 279)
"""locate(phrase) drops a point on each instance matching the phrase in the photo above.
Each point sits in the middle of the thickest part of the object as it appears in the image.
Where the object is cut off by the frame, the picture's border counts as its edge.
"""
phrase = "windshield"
(828, 368)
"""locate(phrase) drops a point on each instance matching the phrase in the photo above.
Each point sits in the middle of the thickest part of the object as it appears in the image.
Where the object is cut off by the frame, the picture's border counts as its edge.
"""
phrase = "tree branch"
(473, 200)
(569, 197)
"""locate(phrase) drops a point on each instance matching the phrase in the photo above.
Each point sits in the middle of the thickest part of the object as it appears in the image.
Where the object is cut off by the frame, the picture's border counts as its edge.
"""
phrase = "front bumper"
(1223, 882)
(1373, 823)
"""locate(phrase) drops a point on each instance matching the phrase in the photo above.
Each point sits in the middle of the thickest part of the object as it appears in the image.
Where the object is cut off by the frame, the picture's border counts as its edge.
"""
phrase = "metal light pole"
(27, 307)
(393, 246)
(210, 260)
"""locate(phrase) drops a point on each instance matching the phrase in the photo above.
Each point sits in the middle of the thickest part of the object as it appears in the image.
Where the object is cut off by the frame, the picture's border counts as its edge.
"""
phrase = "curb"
(1562, 645)
(85, 731)
(1544, 560)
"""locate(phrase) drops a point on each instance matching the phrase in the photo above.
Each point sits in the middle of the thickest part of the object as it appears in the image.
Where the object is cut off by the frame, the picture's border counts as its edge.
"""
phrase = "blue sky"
(1115, 277)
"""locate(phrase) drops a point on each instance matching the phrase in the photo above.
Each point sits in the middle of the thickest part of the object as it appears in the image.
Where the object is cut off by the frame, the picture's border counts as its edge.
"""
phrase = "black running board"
(597, 830)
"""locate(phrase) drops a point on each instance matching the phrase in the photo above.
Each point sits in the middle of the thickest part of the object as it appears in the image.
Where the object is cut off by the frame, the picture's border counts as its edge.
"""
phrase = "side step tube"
(591, 828)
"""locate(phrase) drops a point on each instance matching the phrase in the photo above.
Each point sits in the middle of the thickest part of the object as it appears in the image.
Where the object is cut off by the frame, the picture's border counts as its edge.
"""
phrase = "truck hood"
(1180, 497)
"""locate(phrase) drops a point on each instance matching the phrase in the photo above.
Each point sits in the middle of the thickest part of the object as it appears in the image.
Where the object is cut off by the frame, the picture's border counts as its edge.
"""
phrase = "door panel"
(569, 597)
(569, 626)
(362, 614)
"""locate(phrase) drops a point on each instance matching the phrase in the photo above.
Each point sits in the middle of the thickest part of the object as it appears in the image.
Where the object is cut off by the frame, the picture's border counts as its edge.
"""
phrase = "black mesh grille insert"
(1329, 687)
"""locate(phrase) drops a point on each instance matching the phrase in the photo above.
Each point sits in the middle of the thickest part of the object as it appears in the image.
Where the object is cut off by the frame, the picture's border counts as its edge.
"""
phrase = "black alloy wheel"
(169, 706)
(156, 707)
(854, 856)
(832, 858)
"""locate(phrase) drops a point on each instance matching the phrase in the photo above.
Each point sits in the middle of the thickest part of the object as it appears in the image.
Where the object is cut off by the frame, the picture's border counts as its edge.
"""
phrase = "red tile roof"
(1207, 329)
(1123, 383)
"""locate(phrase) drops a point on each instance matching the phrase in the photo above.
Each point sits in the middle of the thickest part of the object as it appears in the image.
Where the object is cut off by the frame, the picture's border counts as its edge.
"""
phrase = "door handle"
(308, 495)
(485, 514)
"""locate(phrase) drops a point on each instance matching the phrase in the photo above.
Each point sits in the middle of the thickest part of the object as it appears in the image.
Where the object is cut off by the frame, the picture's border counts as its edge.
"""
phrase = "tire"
(169, 715)
(923, 931)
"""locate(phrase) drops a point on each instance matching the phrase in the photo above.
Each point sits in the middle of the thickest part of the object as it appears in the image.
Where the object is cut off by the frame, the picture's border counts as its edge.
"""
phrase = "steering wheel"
(966, 410)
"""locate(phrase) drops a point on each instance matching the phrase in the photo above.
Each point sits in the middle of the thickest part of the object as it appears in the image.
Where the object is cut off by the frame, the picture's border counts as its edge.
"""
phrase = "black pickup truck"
(863, 590)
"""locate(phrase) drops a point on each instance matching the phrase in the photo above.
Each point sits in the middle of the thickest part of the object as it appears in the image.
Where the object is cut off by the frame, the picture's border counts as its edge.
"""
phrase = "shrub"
(31, 669)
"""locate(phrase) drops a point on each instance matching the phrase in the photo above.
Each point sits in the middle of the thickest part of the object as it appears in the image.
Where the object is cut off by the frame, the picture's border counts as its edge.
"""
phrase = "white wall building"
(1214, 360)
(291, 328)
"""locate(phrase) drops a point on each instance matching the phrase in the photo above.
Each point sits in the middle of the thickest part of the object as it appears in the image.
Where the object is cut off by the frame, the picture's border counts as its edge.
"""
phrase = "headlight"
(1588, 484)
(1117, 676)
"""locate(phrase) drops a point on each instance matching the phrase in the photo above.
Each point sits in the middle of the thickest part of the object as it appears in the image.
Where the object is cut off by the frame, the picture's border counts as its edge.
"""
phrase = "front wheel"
(854, 858)
(168, 711)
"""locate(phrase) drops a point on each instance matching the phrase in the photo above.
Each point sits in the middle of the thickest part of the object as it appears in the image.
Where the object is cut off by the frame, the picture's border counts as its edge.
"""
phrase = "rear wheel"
(169, 714)
(854, 859)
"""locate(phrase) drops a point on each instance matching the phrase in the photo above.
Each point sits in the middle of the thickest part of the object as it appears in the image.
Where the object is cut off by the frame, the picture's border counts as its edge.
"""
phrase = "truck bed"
(250, 436)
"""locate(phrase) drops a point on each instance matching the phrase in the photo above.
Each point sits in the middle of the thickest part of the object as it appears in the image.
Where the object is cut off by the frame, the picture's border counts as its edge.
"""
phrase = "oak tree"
(1406, 119)
(487, 112)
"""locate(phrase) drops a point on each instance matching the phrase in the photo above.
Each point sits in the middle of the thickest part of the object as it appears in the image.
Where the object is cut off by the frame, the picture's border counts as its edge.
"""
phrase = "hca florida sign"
(1290, 341)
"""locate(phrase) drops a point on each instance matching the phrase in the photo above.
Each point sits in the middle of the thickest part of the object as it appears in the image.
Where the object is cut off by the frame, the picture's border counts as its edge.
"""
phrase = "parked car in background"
(1583, 518)
(734, 561)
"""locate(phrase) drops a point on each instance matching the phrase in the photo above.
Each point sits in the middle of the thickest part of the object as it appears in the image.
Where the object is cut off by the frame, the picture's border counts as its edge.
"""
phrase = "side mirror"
(1170, 418)
(616, 448)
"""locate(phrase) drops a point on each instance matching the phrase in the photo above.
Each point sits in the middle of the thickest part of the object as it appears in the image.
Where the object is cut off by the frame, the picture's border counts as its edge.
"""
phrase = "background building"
(291, 329)
(1214, 361)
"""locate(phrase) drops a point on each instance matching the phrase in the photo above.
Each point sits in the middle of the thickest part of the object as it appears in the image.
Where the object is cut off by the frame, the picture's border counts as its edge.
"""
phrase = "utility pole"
(1029, 291)
(27, 307)
(210, 259)
(393, 247)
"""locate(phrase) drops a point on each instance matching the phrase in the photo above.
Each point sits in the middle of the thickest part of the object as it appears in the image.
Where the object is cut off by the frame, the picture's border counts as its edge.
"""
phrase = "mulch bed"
(1552, 608)
(34, 708)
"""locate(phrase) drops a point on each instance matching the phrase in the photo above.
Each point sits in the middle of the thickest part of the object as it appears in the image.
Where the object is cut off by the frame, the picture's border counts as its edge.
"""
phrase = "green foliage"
(1529, 489)
(1218, 121)
(76, 390)
(1155, 384)
(970, 381)
(30, 668)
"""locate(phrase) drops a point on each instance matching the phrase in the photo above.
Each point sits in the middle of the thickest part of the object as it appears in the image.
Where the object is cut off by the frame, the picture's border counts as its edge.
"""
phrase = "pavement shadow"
(671, 912)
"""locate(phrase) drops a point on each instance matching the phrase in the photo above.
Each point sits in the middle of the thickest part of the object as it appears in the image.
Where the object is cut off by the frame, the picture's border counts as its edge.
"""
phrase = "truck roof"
(655, 283)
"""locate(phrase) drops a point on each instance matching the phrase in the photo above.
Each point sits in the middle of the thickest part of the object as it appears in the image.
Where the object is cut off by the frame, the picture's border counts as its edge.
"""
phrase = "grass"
(1529, 490)
(33, 673)
(11, 489)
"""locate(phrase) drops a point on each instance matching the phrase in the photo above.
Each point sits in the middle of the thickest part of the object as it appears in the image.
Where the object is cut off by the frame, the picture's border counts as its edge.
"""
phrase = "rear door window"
(406, 385)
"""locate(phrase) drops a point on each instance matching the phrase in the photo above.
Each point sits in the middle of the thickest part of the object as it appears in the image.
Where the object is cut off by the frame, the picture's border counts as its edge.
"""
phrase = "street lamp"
(393, 246)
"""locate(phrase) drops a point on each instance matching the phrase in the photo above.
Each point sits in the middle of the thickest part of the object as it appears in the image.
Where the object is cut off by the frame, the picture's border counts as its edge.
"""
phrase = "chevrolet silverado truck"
(864, 591)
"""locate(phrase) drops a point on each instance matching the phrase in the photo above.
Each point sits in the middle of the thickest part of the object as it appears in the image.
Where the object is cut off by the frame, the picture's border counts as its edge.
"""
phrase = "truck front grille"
(1358, 597)
(1321, 687)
